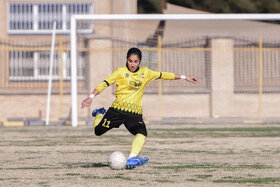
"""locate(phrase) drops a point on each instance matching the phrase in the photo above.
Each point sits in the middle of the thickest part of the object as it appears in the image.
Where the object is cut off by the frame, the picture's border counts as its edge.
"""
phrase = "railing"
(25, 66)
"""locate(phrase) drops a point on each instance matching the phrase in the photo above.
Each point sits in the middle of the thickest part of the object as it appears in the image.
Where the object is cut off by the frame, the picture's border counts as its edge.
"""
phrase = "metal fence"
(190, 57)
(25, 66)
(257, 65)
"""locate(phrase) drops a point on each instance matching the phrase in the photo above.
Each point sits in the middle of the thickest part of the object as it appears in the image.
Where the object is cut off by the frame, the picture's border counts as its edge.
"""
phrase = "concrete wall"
(26, 105)
(32, 106)
(221, 102)
(222, 93)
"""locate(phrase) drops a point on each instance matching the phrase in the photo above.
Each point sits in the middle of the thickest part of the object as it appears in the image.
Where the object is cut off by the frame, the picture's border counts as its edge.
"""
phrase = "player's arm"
(173, 76)
(87, 101)
(107, 82)
(191, 79)
(170, 76)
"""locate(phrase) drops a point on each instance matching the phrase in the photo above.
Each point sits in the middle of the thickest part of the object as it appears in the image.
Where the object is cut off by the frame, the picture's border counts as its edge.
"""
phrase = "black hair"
(134, 51)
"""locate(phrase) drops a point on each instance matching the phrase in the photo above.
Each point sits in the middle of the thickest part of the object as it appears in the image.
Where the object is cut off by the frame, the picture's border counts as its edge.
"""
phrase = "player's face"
(133, 62)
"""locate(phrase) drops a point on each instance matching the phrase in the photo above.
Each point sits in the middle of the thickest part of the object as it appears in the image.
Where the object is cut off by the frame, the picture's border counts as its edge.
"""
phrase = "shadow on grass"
(68, 165)
(94, 165)
(85, 164)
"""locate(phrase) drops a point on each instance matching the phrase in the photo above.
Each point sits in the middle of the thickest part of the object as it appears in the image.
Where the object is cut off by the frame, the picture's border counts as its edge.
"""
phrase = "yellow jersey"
(131, 87)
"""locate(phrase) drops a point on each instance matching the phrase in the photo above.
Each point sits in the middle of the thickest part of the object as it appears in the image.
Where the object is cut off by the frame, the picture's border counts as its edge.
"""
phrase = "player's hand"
(86, 102)
(192, 79)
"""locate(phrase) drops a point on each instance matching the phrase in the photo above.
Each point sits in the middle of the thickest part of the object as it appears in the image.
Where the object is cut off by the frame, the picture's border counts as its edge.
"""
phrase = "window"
(47, 12)
(21, 64)
(21, 16)
(29, 65)
(30, 18)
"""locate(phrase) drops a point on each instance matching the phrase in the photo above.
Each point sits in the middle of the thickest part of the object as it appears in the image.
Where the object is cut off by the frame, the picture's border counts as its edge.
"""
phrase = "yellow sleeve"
(153, 75)
(101, 86)
(108, 81)
(167, 76)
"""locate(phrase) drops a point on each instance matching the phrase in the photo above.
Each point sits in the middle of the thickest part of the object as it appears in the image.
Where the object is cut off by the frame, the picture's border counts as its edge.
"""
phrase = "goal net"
(235, 57)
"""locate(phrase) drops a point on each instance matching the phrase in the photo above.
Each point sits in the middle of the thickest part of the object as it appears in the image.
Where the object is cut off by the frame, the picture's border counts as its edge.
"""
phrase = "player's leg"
(137, 127)
(134, 158)
(137, 145)
(104, 123)
(98, 114)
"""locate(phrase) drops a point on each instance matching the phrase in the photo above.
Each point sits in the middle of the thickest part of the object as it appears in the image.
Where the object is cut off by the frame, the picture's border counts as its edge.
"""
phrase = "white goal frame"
(76, 18)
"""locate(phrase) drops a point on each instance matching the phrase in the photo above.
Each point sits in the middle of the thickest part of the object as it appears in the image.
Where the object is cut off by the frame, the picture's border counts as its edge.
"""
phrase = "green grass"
(164, 181)
(72, 174)
(253, 166)
(192, 180)
(266, 180)
(181, 155)
(196, 151)
(216, 132)
(189, 166)
(118, 177)
(30, 168)
(203, 176)
(32, 152)
(211, 166)
(3, 179)
(35, 142)
(114, 177)
(43, 183)
(90, 177)
(232, 129)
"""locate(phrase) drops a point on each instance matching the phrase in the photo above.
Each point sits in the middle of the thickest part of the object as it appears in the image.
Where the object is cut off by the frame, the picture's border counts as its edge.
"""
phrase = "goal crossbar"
(73, 35)
(275, 16)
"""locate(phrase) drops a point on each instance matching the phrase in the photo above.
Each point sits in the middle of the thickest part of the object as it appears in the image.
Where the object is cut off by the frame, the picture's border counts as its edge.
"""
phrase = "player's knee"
(139, 130)
(143, 133)
(98, 132)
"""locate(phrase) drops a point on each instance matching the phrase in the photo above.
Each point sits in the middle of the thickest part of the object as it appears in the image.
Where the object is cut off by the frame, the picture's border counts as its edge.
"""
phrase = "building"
(214, 51)
(26, 28)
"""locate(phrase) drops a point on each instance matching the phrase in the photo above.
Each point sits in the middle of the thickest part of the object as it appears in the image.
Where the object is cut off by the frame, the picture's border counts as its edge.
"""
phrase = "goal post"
(74, 102)
(75, 19)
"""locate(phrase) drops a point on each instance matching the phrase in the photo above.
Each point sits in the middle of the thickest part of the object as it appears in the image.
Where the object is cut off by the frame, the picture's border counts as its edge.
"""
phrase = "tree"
(214, 6)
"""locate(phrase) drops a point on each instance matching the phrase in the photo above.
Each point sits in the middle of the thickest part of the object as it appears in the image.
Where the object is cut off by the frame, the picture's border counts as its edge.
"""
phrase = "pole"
(74, 114)
(60, 77)
(50, 75)
(260, 77)
(160, 70)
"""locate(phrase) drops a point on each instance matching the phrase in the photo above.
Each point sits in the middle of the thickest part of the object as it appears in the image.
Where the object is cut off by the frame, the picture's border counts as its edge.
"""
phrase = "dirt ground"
(179, 155)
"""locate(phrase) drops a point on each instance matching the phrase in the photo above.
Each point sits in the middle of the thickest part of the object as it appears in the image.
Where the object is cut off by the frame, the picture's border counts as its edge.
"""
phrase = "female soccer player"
(131, 81)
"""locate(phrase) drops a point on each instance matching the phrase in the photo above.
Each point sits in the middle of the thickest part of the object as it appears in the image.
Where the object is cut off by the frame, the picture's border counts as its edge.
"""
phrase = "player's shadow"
(94, 165)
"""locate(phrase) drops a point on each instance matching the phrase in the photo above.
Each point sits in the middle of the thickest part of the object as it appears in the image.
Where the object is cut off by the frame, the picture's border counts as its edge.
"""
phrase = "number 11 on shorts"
(106, 125)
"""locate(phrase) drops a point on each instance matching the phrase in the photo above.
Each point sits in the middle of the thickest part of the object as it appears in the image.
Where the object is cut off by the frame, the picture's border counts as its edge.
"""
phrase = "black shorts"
(114, 118)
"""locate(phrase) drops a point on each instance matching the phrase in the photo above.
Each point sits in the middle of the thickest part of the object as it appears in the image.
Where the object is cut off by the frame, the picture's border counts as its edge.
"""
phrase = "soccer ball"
(117, 160)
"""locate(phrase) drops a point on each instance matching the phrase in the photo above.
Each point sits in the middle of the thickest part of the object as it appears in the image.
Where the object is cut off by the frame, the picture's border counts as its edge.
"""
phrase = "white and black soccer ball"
(117, 160)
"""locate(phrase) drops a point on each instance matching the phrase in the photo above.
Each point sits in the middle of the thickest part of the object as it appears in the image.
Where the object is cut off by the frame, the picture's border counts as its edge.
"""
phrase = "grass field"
(180, 155)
